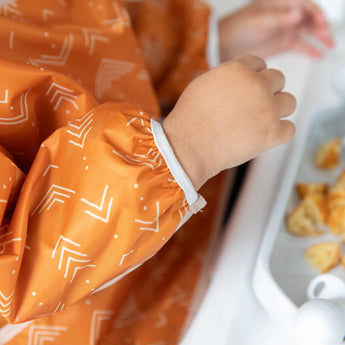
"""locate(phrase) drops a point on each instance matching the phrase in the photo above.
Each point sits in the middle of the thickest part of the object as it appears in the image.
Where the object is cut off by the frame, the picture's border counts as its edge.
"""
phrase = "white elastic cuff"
(195, 201)
(212, 49)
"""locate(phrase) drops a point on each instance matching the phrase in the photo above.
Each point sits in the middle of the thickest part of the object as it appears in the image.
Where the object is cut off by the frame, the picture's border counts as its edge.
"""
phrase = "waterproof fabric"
(86, 197)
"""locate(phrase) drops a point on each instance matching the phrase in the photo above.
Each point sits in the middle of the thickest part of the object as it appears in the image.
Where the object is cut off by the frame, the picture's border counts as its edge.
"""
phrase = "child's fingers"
(253, 62)
(283, 18)
(318, 23)
(306, 48)
(286, 103)
(275, 79)
(285, 132)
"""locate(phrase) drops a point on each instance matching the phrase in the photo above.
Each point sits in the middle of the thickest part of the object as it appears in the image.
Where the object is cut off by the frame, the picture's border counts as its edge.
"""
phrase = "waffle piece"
(306, 219)
(303, 189)
(341, 180)
(342, 260)
(323, 256)
(336, 220)
(316, 207)
(336, 206)
(336, 197)
(328, 154)
(299, 224)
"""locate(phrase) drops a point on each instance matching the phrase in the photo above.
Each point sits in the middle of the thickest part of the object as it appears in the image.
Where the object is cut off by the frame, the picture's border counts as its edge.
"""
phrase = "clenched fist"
(229, 115)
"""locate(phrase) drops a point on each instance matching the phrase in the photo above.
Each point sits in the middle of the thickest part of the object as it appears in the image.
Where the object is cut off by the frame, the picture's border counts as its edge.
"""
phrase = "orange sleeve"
(98, 201)
(173, 37)
(87, 192)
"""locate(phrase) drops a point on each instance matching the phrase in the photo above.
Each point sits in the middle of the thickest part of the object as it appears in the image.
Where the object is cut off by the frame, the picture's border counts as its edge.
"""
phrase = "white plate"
(282, 275)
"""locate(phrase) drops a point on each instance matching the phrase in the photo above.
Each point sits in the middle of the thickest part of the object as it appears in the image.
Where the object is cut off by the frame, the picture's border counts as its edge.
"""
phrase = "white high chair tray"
(282, 275)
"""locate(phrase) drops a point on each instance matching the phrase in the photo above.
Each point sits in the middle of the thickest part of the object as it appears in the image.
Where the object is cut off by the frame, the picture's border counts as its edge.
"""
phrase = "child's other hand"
(229, 115)
(266, 27)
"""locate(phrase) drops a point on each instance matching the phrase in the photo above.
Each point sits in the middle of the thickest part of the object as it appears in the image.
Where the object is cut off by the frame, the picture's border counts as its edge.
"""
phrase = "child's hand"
(266, 27)
(229, 115)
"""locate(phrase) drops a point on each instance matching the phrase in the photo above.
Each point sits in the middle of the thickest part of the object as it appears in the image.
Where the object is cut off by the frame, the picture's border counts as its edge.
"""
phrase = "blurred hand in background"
(267, 27)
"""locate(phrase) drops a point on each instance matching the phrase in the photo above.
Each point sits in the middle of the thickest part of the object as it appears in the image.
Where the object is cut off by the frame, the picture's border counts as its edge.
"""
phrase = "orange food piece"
(328, 154)
(323, 256)
(303, 189)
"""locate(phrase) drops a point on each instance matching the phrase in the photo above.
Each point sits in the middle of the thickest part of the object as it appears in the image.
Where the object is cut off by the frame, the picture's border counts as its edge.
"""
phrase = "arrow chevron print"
(62, 94)
(121, 17)
(38, 335)
(56, 60)
(97, 317)
(110, 70)
(150, 225)
(72, 255)
(154, 162)
(81, 131)
(9, 8)
(55, 194)
(4, 242)
(5, 100)
(24, 112)
(5, 304)
(100, 207)
(59, 308)
(91, 36)
(46, 12)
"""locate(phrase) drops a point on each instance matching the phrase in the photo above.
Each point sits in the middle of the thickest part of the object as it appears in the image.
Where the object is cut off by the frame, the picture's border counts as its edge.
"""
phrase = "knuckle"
(238, 65)
(289, 101)
(274, 77)
(291, 130)
(286, 131)
(236, 70)
(261, 88)
(279, 74)
(293, 101)
(255, 59)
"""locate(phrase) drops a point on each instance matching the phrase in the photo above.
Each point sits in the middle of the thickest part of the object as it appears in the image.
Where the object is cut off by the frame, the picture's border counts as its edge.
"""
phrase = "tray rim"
(270, 295)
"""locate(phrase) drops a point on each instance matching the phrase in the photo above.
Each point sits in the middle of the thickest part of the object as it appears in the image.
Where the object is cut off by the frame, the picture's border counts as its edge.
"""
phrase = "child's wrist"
(185, 153)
